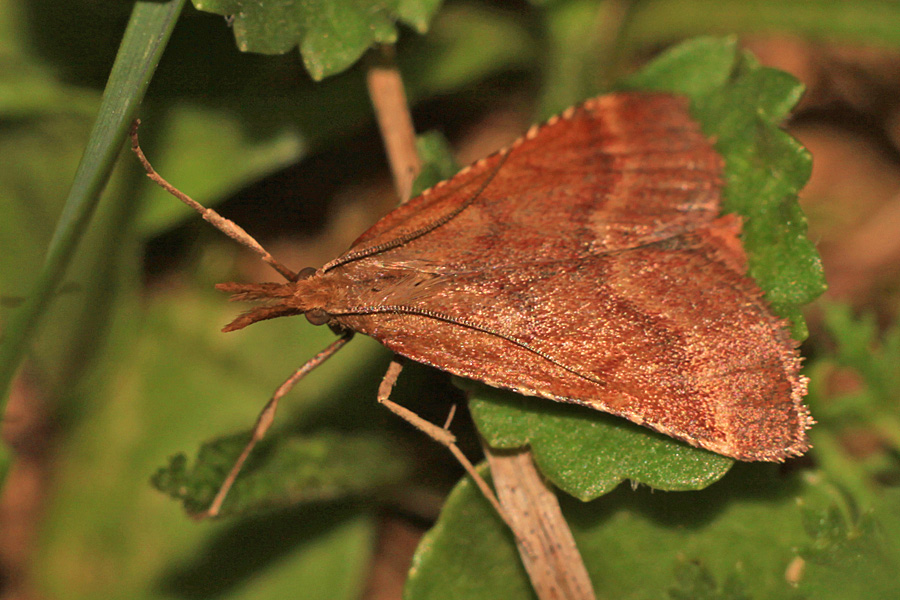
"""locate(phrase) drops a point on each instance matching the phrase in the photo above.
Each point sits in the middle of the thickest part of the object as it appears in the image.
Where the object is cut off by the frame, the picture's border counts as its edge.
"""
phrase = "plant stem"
(545, 542)
(148, 31)
(394, 121)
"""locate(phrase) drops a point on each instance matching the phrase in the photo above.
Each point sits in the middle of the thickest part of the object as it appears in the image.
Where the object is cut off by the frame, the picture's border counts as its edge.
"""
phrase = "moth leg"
(226, 226)
(267, 416)
(450, 416)
(442, 435)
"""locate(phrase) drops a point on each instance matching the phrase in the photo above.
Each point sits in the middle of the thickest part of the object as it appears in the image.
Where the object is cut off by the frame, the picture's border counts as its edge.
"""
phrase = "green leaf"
(741, 104)
(587, 453)
(296, 469)
(331, 34)
(437, 159)
(733, 540)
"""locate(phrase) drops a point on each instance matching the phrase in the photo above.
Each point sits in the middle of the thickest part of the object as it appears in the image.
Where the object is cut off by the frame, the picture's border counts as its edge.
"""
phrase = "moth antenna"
(226, 226)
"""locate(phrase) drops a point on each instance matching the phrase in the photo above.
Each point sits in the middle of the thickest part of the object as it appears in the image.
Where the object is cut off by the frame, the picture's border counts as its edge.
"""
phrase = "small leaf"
(587, 453)
(437, 159)
(331, 34)
(294, 470)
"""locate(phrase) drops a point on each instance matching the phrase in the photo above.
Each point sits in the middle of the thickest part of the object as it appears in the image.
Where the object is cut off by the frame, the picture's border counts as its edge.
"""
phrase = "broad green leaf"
(331, 34)
(588, 453)
(297, 469)
(733, 540)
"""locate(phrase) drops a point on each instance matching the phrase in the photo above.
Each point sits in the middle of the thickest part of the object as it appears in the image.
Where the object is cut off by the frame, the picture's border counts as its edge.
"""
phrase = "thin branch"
(545, 542)
(394, 120)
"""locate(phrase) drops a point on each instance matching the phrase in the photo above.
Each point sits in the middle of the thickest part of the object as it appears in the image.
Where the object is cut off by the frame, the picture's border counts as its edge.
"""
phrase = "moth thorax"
(317, 295)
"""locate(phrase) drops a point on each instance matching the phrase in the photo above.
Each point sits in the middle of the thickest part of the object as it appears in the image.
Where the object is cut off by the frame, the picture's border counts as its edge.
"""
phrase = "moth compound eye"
(306, 273)
(317, 316)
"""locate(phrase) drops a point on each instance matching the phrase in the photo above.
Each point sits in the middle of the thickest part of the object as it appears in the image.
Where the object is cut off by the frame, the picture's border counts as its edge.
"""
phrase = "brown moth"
(585, 263)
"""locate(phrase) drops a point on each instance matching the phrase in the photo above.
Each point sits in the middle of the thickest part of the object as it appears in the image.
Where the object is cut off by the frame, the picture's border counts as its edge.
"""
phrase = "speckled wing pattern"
(588, 265)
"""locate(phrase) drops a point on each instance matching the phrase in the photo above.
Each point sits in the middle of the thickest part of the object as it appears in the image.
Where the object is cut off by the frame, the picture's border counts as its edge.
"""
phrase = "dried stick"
(394, 121)
(545, 542)
(226, 226)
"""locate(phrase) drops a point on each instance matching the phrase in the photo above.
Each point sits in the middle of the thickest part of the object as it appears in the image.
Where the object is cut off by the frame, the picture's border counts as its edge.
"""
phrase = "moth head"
(316, 315)
(307, 296)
